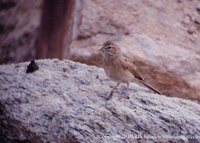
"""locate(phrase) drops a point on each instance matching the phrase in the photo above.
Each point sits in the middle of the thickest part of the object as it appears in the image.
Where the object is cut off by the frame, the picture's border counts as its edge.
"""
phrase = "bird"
(119, 67)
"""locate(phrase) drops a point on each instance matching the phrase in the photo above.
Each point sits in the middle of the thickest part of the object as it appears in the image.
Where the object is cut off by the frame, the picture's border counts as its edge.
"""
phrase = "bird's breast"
(118, 73)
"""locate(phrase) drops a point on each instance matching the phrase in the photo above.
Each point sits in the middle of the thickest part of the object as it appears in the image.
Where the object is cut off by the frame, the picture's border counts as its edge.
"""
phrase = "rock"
(160, 37)
(64, 102)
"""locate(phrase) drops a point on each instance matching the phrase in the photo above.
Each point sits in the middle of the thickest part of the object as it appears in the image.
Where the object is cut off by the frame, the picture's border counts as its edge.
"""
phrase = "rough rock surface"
(64, 101)
(161, 37)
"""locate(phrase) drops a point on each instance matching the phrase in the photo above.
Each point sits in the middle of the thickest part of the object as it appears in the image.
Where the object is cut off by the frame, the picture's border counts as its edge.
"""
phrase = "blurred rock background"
(161, 37)
(19, 23)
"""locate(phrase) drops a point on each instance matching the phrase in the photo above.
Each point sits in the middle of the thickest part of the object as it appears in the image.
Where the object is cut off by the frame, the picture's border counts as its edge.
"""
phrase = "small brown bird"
(119, 68)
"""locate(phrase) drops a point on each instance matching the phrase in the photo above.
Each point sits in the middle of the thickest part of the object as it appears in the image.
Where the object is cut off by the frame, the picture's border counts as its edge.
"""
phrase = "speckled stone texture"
(64, 102)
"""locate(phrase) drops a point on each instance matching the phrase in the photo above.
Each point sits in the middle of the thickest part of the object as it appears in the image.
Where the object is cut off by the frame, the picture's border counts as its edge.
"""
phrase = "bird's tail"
(150, 87)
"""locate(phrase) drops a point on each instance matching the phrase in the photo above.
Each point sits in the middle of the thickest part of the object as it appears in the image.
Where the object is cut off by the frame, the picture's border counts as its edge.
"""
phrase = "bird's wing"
(126, 64)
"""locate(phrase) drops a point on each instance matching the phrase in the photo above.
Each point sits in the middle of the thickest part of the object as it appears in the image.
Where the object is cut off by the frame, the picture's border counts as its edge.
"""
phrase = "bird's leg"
(111, 93)
(127, 91)
(126, 95)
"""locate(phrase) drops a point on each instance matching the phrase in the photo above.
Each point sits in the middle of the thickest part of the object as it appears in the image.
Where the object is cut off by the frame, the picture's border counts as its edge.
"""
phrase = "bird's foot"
(123, 97)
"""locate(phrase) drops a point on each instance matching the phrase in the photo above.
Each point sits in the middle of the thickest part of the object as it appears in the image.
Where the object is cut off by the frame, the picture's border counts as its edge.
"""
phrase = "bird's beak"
(102, 49)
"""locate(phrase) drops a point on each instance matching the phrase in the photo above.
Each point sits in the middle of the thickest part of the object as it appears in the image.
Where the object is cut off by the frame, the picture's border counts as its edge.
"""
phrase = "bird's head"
(110, 49)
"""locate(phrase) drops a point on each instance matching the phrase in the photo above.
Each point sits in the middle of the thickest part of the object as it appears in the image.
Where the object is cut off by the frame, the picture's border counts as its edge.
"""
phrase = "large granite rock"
(64, 102)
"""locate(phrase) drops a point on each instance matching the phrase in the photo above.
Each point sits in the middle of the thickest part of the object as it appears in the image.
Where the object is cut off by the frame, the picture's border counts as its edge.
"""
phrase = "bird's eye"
(109, 47)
